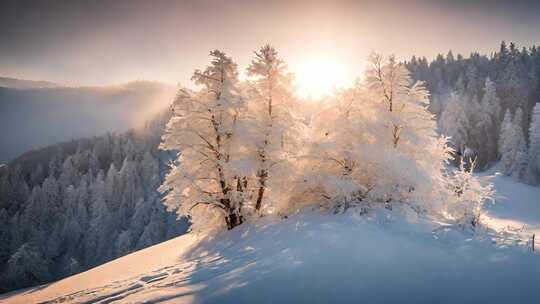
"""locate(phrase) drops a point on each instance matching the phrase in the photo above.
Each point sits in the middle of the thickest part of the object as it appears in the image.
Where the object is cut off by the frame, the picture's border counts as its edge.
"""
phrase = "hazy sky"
(99, 42)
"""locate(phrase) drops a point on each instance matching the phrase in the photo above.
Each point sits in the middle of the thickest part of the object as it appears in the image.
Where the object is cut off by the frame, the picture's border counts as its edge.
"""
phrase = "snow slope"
(315, 258)
(98, 281)
(516, 211)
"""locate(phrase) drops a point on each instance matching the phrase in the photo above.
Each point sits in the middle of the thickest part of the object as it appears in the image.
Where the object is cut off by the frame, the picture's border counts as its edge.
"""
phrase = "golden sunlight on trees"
(248, 148)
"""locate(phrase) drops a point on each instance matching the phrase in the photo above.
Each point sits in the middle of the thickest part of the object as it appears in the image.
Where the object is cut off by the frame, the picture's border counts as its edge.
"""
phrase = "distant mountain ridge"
(15, 83)
(32, 117)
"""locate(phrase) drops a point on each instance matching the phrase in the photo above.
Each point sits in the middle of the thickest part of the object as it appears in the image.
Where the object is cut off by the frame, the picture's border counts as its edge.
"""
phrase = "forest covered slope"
(71, 206)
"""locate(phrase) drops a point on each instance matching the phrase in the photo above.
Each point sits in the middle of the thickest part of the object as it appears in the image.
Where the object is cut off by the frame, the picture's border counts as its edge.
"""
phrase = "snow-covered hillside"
(315, 258)
(516, 211)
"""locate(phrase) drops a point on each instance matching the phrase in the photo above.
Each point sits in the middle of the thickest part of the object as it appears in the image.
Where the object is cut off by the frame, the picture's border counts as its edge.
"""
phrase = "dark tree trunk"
(263, 174)
(233, 219)
(259, 198)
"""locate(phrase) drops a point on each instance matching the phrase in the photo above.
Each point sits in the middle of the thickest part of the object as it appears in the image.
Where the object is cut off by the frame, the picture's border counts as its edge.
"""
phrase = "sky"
(105, 42)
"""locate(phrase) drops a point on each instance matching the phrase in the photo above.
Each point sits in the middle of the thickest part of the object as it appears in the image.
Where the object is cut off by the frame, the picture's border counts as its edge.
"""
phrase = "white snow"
(106, 279)
(316, 258)
(516, 211)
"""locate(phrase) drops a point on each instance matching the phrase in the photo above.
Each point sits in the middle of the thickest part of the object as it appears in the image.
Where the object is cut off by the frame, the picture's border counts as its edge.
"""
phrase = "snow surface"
(315, 258)
(516, 210)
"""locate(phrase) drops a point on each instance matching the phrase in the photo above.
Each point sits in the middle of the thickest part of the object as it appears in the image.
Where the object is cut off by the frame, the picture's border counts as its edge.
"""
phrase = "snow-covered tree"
(455, 122)
(203, 129)
(492, 99)
(389, 81)
(534, 147)
(272, 123)
(69, 173)
(150, 171)
(5, 236)
(27, 266)
(468, 195)
(377, 143)
(154, 230)
(474, 82)
(512, 145)
(334, 168)
(488, 123)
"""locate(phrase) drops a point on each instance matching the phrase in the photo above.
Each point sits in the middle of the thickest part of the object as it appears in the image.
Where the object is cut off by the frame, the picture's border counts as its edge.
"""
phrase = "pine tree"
(474, 82)
(455, 122)
(150, 171)
(520, 147)
(487, 125)
(512, 145)
(534, 147)
(68, 176)
(27, 266)
(5, 236)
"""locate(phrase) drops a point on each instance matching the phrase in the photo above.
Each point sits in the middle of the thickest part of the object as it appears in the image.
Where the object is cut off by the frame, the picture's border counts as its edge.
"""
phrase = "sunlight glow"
(318, 76)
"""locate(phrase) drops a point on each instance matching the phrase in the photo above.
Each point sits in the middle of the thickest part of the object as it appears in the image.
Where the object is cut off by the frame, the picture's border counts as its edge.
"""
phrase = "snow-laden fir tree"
(512, 145)
(505, 134)
(520, 150)
(26, 266)
(488, 122)
(455, 122)
(203, 182)
(533, 175)
(474, 82)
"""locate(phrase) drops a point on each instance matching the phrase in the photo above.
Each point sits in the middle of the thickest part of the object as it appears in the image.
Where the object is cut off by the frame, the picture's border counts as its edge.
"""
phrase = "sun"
(319, 75)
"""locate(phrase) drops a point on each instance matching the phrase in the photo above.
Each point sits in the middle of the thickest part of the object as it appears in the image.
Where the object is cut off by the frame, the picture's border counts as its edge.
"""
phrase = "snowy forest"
(69, 207)
(407, 136)
(488, 105)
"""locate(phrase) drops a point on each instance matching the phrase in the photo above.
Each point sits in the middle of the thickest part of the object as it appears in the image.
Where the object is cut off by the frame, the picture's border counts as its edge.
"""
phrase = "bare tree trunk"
(262, 185)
